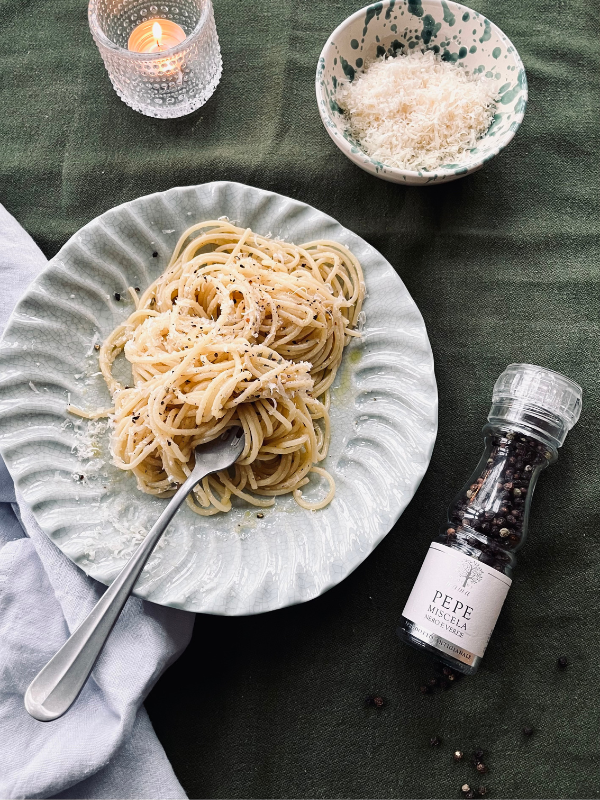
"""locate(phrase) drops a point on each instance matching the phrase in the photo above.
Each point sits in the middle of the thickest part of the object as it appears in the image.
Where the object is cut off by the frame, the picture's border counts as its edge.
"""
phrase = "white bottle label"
(456, 600)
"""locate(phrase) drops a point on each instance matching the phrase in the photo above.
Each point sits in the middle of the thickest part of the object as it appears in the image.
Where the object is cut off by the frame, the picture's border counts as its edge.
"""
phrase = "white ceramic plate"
(383, 416)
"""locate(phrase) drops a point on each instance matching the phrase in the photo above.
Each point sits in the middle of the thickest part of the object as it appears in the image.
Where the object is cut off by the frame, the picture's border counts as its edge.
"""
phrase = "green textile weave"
(504, 266)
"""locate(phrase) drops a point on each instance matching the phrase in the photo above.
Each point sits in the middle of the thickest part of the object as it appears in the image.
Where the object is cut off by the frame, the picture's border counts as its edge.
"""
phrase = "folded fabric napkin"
(105, 745)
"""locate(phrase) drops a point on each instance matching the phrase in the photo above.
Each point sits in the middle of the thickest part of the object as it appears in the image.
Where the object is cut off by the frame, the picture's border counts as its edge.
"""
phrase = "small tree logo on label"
(471, 572)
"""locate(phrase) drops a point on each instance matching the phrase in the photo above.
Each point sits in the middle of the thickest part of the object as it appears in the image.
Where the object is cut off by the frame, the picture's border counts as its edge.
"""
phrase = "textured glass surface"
(172, 83)
(489, 517)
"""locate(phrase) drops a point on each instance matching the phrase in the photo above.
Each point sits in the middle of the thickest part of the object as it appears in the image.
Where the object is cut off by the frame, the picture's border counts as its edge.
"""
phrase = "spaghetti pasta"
(240, 329)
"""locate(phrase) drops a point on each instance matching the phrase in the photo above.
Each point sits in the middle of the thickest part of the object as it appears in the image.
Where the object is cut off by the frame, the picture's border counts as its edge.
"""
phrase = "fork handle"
(57, 685)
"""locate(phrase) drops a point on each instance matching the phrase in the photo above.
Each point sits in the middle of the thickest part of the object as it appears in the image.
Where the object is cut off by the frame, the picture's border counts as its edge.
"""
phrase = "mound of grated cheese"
(418, 111)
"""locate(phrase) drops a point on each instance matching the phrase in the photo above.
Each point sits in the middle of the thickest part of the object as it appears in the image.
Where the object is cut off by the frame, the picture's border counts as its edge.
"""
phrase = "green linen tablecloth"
(504, 267)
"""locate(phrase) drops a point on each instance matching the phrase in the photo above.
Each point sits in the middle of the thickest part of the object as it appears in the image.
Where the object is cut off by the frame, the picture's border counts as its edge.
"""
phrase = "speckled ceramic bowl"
(395, 27)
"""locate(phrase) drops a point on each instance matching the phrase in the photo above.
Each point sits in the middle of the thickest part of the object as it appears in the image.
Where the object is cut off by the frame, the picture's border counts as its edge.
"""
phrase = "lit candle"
(153, 36)
(164, 73)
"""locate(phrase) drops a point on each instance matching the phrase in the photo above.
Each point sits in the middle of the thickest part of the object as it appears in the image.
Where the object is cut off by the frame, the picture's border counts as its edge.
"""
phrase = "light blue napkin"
(105, 746)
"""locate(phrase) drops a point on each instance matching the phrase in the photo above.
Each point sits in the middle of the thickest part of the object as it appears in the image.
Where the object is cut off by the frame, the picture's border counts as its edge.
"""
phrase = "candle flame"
(157, 33)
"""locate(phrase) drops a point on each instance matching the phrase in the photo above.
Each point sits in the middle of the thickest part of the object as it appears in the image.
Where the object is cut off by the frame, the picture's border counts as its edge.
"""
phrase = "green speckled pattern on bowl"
(396, 27)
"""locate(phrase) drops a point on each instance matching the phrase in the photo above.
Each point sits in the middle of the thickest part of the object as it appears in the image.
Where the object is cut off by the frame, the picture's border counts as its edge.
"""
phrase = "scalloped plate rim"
(426, 451)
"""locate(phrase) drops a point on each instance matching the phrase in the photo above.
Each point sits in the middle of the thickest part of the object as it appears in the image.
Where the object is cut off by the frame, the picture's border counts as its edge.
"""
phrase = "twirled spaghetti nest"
(239, 330)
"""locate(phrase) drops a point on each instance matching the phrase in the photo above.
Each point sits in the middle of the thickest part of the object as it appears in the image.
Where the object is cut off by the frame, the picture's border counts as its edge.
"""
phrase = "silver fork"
(57, 685)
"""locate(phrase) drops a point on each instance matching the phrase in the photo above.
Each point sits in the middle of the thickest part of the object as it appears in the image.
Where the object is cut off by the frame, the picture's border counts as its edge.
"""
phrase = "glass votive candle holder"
(162, 70)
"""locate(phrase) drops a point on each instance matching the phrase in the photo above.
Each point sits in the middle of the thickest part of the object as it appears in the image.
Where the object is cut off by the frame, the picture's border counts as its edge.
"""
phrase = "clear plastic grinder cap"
(537, 399)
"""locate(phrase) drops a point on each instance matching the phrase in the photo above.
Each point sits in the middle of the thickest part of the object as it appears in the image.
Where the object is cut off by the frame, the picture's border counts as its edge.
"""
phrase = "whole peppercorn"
(562, 662)
(478, 755)
(465, 788)
(117, 296)
(458, 755)
(435, 741)
(155, 254)
(481, 768)
(528, 731)
(375, 701)
(470, 794)
(482, 791)
(425, 689)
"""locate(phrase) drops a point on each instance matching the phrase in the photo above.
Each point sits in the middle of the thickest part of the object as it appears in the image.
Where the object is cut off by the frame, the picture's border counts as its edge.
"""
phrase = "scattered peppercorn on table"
(321, 700)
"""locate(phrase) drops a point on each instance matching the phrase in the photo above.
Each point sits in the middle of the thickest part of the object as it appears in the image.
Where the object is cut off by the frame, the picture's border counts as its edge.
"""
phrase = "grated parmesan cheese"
(418, 111)
(88, 439)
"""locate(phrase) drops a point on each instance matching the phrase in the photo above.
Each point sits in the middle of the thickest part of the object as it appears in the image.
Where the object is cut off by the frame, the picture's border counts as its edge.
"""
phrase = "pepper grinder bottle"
(459, 592)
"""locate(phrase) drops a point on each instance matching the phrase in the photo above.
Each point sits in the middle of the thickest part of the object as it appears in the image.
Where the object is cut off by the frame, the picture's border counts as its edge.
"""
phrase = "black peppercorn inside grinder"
(458, 594)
